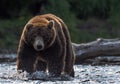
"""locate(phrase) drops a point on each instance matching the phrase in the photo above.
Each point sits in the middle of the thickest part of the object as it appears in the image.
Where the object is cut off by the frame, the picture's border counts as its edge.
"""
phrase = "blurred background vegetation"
(86, 19)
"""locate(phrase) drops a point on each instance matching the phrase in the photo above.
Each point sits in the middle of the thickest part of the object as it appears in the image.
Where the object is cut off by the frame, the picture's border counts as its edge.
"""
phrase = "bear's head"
(40, 34)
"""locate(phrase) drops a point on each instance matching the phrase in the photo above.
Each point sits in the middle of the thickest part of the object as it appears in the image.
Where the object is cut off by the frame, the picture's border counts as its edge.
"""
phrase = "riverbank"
(84, 74)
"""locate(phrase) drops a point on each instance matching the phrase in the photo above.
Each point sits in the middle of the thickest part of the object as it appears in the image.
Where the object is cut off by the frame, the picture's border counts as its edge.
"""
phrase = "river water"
(84, 74)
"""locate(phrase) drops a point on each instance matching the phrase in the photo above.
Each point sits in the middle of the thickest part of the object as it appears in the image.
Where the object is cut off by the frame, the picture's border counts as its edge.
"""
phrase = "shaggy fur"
(56, 55)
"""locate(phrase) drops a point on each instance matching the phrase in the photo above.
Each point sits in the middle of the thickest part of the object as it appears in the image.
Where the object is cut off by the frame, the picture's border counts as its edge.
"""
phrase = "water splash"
(84, 74)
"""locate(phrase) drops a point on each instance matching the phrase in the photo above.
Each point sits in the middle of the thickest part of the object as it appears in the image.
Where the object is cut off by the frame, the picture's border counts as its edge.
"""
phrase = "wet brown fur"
(57, 57)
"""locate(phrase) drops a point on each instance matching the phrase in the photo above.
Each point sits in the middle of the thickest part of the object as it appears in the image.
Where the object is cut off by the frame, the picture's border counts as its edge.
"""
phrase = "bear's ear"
(51, 24)
(29, 26)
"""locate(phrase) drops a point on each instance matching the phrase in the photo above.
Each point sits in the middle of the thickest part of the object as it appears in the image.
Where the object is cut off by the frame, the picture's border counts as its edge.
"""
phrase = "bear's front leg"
(25, 64)
(26, 59)
(55, 68)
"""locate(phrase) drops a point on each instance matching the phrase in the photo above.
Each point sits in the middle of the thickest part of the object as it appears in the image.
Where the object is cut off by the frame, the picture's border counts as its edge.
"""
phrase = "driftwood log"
(99, 51)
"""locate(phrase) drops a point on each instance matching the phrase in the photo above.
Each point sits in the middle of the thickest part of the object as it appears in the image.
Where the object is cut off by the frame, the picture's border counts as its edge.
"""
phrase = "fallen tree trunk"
(101, 50)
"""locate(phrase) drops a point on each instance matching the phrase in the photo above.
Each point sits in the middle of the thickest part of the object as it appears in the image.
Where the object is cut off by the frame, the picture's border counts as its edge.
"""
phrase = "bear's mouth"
(38, 44)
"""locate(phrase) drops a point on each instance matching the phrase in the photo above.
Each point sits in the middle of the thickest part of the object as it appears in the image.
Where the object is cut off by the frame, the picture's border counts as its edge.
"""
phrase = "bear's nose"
(39, 46)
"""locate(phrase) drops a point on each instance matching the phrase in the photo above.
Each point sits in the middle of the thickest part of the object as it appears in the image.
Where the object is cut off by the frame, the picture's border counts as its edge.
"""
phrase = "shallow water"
(84, 74)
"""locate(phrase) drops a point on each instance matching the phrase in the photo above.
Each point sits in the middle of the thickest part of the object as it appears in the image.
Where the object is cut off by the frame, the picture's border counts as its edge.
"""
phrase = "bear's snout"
(38, 44)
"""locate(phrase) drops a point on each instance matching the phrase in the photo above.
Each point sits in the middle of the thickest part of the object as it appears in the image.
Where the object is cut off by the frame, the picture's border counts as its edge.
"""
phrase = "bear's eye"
(46, 38)
(39, 29)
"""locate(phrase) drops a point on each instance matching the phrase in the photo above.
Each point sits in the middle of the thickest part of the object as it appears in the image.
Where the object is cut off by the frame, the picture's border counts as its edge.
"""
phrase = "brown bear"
(45, 44)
